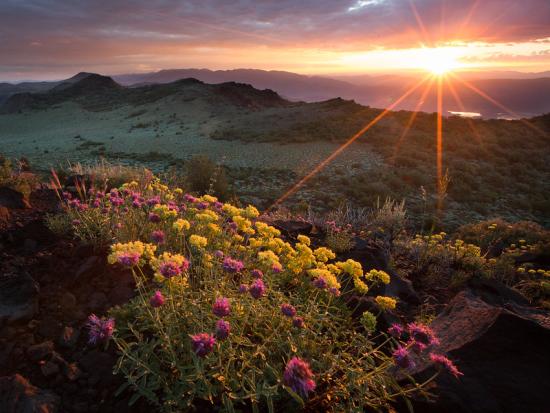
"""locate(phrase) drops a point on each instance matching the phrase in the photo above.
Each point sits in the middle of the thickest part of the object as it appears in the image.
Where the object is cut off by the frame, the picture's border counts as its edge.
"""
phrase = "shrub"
(204, 176)
(230, 314)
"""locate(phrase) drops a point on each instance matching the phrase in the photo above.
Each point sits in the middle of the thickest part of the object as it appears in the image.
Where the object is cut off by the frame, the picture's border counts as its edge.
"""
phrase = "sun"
(438, 61)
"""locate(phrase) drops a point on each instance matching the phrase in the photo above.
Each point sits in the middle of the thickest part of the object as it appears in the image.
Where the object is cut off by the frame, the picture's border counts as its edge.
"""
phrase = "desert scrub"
(230, 314)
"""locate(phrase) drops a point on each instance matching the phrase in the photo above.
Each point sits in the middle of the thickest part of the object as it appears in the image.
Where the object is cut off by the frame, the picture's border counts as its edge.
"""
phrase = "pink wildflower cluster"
(231, 265)
(99, 329)
(420, 339)
(299, 377)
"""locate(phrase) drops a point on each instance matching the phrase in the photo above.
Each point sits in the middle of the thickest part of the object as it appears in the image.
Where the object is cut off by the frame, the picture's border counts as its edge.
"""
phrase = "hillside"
(496, 167)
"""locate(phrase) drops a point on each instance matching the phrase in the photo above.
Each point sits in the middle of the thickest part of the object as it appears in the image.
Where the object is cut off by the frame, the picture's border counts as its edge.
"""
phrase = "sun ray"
(412, 118)
(439, 141)
(460, 104)
(425, 36)
(342, 147)
(498, 104)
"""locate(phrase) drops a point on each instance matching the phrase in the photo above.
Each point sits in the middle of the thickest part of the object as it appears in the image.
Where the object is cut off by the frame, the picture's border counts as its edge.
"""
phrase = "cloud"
(80, 32)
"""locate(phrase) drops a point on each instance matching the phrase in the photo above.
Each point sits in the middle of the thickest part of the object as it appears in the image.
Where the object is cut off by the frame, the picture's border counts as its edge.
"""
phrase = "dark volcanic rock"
(503, 353)
(10, 198)
(40, 351)
(4, 216)
(18, 395)
(293, 228)
(18, 297)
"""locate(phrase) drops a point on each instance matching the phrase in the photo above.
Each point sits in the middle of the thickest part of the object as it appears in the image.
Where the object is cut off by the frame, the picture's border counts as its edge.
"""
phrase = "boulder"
(293, 228)
(18, 395)
(4, 216)
(502, 352)
(13, 199)
(18, 297)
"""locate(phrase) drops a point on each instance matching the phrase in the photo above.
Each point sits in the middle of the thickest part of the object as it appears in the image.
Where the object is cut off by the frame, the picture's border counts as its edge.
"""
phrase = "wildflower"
(422, 334)
(368, 321)
(154, 217)
(446, 363)
(396, 330)
(257, 289)
(181, 225)
(223, 329)
(218, 254)
(288, 310)
(157, 300)
(221, 307)
(304, 239)
(99, 329)
(198, 241)
(386, 303)
(231, 265)
(277, 268)
(158, 237)
(131, 253)
(170, 265)
(243, 288)
(378, 275)
(403, 358)
(320, 283)
(202, 343)
(76, 222)
(257, 273)
(299, 377)
(324, 254)
(298, 322)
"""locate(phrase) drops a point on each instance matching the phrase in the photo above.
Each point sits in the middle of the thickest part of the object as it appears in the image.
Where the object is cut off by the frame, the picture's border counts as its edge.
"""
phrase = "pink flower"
(257, 273)
(231, 265)
(99, 329)
(396, 330)
(128, 259)
(403, 358)
(158, 237)
(221, 307)
(257, 289)
(288, 310)
(223, 328)
(157, 300)
(298, 322)
(446, 363)
(299, 377)
(202, 344)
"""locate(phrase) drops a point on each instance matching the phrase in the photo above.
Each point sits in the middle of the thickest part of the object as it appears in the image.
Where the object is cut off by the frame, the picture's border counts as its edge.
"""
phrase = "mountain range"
(520, 94)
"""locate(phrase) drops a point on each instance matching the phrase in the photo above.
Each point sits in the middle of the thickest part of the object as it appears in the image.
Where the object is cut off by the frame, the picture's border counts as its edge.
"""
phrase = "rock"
(503, 353)
(372, 257)
(72, 372)
(40, 351)
(49, 328)
(49, 369)
(88, 268)
(18, 297)
(18, 395)
(99, 366)
(45, 198)
(293, 228)
(496, 293)
(69, 337)
(37, 231)
(4, 216)
(68, 301)
(97, 301)
(13, 199)
(121, 295)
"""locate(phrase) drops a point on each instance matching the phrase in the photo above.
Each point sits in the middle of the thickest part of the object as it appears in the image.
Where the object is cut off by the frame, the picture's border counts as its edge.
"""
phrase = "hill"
(267, 143)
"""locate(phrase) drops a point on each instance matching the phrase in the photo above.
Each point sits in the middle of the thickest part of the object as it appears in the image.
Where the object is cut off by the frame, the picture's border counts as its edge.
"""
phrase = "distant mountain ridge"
(525, 97)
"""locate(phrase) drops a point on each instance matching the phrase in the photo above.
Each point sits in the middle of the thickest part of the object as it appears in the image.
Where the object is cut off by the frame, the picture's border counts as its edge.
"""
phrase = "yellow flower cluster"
(181, 225)
(164, 211)
(378, 275)
(131, 253)
(198, 241)
(386, 303)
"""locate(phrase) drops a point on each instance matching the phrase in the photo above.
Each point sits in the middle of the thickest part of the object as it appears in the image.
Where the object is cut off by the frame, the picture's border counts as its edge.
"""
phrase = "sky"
(54, 39)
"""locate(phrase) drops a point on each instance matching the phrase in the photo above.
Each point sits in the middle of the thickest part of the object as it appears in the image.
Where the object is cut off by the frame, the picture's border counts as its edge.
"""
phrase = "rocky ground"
(49, 285)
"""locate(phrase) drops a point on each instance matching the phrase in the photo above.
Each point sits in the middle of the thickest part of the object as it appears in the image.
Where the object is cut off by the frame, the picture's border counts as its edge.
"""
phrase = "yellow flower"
(304, 239)
(131, 253)
(378, 275)
(209, 198)
(329, 277)
(360, 286)
(386, 303)
(351, 267)
(181, 225)
(251, 212)
(178, 191)
(324, 254)
(198, 241)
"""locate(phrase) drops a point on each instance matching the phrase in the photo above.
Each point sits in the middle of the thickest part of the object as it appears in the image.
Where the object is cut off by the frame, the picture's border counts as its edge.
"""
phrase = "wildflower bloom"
(158, 237)
(320, 283)
(396, 330)
(181, 225)
(422, 334)
(257, 289)
(299, 377)
(403, 358)
(221, 307)
(218, 254)
(231, 265)
(198, 241)
(386, 303)
(202, 343)
(154, 217)
(243, 288)
(131, 253)
(157, 300)
(298, 322)
(223, 328)
(257, 273)
(99, 329)
(288, 310)
(170, 265)
(446, 363)
(334, 291)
